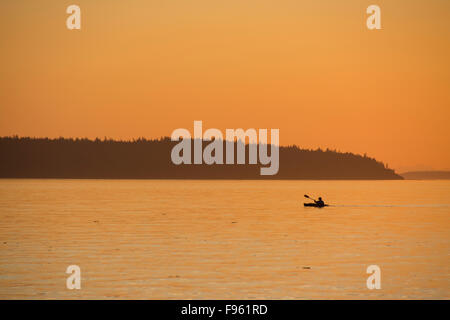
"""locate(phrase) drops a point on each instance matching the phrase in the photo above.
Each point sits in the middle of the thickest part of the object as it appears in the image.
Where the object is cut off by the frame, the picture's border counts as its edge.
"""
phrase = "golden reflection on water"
(173, 239)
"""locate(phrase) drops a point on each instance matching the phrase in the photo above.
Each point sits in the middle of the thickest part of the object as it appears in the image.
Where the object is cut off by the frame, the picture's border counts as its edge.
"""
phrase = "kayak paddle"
(306, 196)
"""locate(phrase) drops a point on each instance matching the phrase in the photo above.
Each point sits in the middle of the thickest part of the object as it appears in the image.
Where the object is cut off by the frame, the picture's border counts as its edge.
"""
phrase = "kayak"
(314, 205)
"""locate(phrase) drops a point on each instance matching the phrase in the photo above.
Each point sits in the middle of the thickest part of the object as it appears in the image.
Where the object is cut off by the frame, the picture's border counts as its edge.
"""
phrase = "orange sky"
(310, 68)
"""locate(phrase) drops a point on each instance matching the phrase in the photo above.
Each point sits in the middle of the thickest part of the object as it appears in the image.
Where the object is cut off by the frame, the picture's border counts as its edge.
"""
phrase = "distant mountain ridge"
(150, 159)
(426, 175)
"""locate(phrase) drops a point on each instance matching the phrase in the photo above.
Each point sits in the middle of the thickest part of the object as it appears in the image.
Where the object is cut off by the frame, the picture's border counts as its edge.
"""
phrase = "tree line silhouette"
(24, 157)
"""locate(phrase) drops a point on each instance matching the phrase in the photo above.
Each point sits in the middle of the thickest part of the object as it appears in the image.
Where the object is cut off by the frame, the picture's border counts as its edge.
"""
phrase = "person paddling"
(317, 203)
(320, 202)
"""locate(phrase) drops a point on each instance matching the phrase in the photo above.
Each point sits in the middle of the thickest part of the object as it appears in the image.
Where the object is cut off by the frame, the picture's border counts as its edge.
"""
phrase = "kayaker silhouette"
(320, 202)
(317, 203)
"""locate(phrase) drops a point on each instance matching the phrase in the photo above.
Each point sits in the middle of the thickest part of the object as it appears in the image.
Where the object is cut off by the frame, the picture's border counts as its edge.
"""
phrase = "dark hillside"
(150, 159)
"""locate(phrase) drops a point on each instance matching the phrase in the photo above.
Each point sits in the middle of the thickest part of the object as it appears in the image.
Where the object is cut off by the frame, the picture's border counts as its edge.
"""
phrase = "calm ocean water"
(160, 239)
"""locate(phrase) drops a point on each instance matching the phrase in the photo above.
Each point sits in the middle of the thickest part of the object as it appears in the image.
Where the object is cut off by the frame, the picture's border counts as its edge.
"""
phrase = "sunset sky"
(142, 68)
